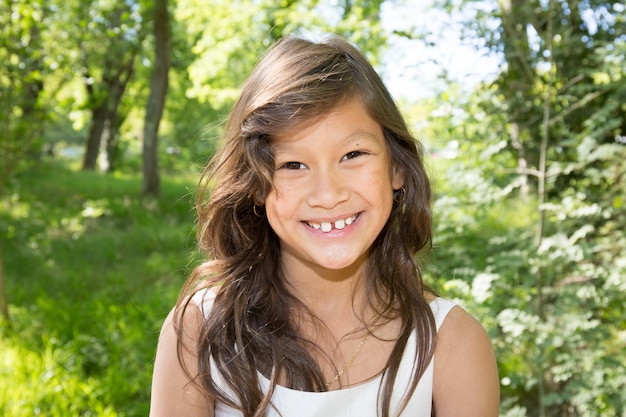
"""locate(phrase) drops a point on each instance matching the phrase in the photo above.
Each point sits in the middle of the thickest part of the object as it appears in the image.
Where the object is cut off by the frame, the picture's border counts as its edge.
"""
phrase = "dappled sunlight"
(48, 378)
(93, 271)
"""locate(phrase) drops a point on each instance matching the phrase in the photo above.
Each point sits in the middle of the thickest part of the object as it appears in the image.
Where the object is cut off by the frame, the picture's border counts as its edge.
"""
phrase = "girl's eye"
(353, 154)
(292, 165)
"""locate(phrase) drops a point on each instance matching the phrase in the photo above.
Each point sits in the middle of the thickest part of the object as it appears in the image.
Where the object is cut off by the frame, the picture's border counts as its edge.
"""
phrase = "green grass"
(92, 271)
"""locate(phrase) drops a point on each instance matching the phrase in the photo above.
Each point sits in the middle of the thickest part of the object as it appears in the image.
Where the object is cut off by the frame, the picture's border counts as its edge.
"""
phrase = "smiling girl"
(311, 302)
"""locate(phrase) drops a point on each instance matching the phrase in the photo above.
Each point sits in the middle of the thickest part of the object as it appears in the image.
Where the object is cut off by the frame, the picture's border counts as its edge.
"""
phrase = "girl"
(312, 303)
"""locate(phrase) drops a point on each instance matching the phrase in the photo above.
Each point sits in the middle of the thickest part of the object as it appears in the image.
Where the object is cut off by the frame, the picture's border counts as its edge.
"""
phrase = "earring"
(254, 209)
(399, 195)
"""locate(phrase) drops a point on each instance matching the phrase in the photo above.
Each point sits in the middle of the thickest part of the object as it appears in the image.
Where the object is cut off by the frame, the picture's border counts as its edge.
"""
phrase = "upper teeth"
(328, 226)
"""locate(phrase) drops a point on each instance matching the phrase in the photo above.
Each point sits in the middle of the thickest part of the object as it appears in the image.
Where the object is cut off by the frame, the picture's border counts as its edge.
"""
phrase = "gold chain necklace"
(347, 365)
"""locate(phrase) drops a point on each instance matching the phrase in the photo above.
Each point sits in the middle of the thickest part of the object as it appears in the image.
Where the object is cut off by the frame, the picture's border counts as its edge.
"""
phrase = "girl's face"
(332, 190)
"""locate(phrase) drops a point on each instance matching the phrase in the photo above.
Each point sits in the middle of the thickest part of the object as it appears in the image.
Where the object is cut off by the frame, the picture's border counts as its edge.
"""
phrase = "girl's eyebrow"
(361, 134)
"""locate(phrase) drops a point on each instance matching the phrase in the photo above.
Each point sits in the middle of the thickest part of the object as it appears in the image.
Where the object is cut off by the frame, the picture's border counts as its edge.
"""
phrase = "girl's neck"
(329, 293)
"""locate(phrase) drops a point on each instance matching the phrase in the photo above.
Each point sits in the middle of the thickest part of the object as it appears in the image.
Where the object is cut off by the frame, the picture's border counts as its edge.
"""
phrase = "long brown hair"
(251, 327)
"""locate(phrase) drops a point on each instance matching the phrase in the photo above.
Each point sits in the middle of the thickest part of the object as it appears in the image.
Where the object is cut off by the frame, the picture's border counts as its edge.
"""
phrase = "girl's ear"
(397, 178)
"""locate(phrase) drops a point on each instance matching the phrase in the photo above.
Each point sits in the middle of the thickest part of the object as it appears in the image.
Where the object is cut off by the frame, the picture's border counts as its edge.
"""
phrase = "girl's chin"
(337, 263)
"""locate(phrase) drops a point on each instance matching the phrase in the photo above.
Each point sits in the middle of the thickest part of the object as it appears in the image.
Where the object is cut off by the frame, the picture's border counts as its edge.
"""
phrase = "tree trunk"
(113, 150)
(96, 128)
(156, 100)
(115, 118)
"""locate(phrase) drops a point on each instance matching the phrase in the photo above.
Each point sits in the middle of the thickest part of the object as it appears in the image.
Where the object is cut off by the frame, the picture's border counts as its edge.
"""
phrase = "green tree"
(108, 42)
(241, 31)
(552, 279)
(29, 83)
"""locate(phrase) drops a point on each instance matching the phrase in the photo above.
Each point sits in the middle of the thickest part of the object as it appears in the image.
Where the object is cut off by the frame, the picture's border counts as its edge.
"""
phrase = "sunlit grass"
(47, 382)
(92, 271)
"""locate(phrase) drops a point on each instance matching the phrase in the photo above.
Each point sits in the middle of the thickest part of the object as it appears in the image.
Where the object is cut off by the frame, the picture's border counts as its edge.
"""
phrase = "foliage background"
(529, 168)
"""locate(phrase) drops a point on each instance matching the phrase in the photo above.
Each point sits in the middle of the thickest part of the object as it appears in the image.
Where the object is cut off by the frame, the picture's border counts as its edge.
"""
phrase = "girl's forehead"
(344, 123)
(291, 133)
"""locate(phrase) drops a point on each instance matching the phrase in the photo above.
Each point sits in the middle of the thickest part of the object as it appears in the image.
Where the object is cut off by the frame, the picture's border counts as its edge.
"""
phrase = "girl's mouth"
(337, 224)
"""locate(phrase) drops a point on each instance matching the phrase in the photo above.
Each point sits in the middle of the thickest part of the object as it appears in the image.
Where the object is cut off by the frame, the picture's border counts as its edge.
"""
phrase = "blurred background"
(109, 109)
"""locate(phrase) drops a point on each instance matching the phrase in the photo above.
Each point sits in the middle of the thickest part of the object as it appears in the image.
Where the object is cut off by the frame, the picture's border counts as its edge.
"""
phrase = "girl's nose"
(328, 188)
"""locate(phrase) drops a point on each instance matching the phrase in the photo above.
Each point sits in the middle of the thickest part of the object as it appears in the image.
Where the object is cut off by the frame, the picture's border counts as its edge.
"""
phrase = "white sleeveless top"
(356, 401)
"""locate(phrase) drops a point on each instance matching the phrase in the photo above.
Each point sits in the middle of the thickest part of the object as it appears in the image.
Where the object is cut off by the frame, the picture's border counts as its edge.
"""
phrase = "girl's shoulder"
(204, 299)
(173, 392)
(466, 376)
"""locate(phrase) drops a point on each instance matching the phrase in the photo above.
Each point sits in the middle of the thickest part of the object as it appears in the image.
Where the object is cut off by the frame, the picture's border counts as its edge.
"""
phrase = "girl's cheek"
(282, 190)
